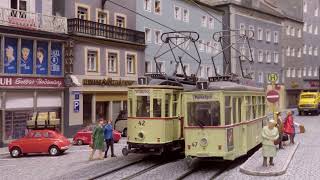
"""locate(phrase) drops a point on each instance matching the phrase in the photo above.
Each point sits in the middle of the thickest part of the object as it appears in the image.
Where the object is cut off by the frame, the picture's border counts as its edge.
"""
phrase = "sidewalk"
(4, 151)
(253, 166)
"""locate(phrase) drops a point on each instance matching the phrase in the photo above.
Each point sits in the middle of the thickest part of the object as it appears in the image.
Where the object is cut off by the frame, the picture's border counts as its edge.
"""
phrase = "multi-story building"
(180, 15)
(31, 65)
(106, 56)
(265, 20)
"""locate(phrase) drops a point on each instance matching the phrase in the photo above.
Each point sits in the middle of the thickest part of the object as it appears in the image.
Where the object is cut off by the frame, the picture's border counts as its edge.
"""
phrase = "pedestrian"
(97, 140)
(108, 137)
(269, 136)
(289, 127)
(280, 128)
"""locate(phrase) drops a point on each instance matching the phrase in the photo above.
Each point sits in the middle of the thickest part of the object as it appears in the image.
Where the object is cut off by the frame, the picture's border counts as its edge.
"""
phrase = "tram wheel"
(125, 151)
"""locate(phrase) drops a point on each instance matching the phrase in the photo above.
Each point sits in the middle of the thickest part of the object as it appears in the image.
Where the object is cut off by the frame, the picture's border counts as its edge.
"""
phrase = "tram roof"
(230, 86)
(165, 84)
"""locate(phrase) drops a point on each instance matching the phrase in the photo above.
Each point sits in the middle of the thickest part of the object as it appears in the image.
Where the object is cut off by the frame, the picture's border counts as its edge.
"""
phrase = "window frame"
(85, 6)
(117, 52)
(155, 37)
(86, 50)
(135, 54)
(120, 15)
(146, 35)
(154, 7)
(106, 12)
(179, 17)
(188, 15)
(145, 6)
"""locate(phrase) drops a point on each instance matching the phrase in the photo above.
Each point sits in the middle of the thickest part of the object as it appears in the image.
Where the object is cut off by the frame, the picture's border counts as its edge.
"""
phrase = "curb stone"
(276, 173)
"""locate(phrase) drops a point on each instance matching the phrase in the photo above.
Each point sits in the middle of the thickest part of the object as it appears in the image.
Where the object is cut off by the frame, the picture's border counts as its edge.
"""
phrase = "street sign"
(273, 77)
(273, 96)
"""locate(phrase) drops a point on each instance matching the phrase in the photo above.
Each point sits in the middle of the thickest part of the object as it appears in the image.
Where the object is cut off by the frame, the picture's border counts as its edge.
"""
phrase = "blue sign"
(42, 58)
(77, 96)
(26, 61)
(56, 59)
(76, 106)
(10, 58)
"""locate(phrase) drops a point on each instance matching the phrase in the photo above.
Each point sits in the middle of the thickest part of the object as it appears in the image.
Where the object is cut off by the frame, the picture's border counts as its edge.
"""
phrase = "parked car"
(121, 123)
(39, 141)
(84, 135)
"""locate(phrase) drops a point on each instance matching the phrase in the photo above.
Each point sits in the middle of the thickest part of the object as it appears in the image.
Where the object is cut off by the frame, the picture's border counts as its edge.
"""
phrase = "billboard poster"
(56, 59)
(42, 58)
(26, 61)
(10, 58)
(230, 144)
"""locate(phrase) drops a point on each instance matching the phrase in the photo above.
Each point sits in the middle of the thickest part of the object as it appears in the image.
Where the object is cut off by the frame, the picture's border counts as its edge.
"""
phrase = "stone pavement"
(253, 166)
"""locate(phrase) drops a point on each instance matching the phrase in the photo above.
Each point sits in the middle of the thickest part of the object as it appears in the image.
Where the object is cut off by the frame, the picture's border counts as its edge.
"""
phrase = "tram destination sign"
(273, 96)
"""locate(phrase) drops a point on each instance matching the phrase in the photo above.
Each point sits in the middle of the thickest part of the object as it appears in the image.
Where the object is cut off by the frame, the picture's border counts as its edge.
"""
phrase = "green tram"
(154, 117)
(224, 120)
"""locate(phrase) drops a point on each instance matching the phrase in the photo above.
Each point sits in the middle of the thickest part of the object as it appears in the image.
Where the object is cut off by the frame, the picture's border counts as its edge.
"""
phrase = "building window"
(310, 50)
(120, 21)
(304, 71)
(147, 67)
(310, 28)
(304, 49)
(201, 72)
(260, 77)
(243, 53)
(288, 30)
(315, 51)
(299, 33)
(299, 53)
(147, 5)
(112, 62)
(201, 45)
(288, 72)
(185, 15)
(260, 34)
(275, 36)
(276, 57)
(292, 52)
(92, 61)
(209, 72)
(204, 21)
(186, 69)
(251, 32)
(305, 6)
(292, 31)
(260, 56)
(288, 51)
(316, 30)
(148, 34)
(268, 54)
(242, 29)
(305, 27)
(157, 37)
(157, 6)
(211, 23)
(131, 63)
(268, 36)
(293, 72)
(315, 72)
(102, 17)
(299, 73)
(177, 12)
(310, 71)
(83, 13)
(316, 12)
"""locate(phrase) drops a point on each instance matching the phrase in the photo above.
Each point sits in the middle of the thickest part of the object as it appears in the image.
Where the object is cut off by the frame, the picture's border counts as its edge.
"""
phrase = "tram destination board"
(273, 96)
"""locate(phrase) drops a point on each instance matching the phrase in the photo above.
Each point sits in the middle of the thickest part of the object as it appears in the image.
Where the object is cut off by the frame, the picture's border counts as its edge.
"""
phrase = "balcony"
(32, 21)
(92, 28)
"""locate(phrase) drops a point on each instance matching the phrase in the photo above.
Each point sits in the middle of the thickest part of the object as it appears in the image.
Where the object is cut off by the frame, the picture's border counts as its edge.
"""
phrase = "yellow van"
(309, 102)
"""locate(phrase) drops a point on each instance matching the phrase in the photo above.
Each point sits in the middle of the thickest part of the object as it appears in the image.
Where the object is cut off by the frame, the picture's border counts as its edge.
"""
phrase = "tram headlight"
(141, 135)
(204, 142)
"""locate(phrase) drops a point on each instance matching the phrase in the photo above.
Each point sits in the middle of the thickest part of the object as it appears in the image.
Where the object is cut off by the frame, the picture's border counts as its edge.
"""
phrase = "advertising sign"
(56, 59)
(27, 82)
(230, 144)
(26, 60)
(42, 58)
(10, 58)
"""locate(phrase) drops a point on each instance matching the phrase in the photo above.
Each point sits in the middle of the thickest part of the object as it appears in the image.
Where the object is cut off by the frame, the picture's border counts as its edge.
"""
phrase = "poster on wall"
(56, 59)
(230, 144)
(10, 58)
(42, 58)
(26, 61)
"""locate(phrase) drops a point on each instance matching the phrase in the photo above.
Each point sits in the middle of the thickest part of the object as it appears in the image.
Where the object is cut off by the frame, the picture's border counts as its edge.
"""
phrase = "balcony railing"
(32, 21)
(104, 30)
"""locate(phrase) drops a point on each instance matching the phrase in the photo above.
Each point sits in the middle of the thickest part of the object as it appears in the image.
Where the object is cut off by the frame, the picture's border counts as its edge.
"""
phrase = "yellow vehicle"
(309, 102)
(223, 121)
(154, 117)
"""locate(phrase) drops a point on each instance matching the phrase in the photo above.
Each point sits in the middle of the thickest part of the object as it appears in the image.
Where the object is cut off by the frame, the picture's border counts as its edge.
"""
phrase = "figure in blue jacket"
(108, 137)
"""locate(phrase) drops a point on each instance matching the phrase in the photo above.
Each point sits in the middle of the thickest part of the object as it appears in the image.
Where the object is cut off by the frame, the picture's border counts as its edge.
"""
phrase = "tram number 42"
(142, 123)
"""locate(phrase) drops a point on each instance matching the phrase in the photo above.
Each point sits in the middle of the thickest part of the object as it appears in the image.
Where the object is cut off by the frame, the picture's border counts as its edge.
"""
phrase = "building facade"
(265, 21)
(180, 15)
(107, 56)
(31, 66)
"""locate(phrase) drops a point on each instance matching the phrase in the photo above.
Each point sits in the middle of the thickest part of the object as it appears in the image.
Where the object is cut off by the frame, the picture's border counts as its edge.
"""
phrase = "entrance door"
(102, 110)
(87, 107)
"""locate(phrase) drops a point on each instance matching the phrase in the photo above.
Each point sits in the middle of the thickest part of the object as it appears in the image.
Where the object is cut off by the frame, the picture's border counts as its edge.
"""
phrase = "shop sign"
(314, 83)
(6, 81)
(107, 82)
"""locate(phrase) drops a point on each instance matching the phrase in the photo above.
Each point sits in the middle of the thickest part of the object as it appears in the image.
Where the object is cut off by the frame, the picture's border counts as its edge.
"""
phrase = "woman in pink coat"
(289, 126)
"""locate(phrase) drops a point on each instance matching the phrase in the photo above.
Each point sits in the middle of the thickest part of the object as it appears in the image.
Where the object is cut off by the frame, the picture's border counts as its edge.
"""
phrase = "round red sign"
(273, 96)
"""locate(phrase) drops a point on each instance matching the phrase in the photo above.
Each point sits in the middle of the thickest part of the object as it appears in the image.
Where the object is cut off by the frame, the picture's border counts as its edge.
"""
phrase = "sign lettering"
(107, 82)
(31, 82)
(273, 77)
(202, 97)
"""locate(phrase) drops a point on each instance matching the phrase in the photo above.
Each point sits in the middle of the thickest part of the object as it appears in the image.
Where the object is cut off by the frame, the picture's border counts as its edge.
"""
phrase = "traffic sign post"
(272, 95)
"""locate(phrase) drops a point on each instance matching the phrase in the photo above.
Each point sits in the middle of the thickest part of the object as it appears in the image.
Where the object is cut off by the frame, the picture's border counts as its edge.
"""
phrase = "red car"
(83, 136)
(39, 141)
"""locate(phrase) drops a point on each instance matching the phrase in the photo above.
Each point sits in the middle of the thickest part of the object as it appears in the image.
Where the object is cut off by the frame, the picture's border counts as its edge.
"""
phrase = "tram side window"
(227, 116)
(167, 105)
(263, 106)
(248, 108)
(175, 105)
(156, 107)
(204, 113)
(130, 107)
(239, 109)
(234, 110)
(143, 106)
(254, 107)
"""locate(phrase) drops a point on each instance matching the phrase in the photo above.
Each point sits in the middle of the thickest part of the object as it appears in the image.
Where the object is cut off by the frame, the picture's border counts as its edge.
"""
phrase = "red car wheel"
(79, 142)
(54, 150)
(15, 152)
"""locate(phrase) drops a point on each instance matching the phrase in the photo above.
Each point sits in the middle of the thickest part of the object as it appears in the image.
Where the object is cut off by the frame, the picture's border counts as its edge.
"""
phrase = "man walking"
(108, 136)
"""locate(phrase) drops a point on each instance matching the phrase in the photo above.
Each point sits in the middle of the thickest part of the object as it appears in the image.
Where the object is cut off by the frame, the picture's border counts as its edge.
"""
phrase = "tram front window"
(204, 113)
(143, 106)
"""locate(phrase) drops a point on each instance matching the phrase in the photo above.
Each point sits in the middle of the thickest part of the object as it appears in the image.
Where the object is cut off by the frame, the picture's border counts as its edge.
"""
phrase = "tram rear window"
(143, 106)
(204, 113)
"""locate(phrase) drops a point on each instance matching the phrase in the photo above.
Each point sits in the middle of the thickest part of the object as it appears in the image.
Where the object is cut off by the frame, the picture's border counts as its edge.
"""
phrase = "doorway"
(102, 110)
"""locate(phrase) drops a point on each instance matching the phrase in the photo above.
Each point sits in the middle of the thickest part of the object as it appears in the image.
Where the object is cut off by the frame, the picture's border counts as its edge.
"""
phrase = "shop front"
(94, 99)
(27, 100)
